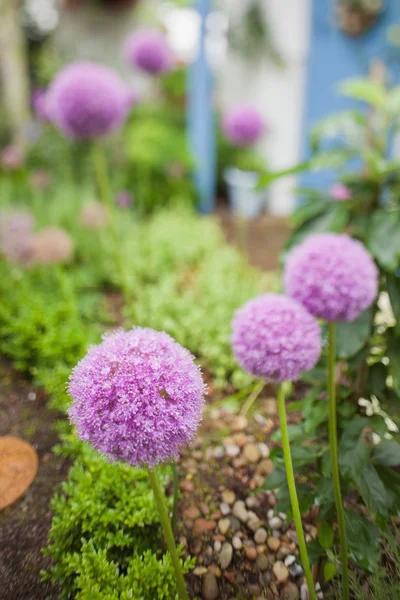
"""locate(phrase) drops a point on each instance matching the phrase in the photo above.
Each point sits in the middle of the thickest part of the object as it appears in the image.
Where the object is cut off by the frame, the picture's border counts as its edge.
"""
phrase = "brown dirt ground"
(25, 524)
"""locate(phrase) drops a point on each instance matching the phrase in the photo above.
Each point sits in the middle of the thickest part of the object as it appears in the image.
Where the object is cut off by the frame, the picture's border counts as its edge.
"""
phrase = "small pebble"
(252, 502)
(262, 562)
(273, 544)
(239, 423)
(290, 592)
(219, 452)
(228, 497)
(280, 571)
(237, 542)
(225, 556)
(217, 546)
(275, 523)
(252, 453)
(264, 449)
(224, 508)
(223, 525)
(232, 450)
(210, 590)
(240, 511)
(199, 571)
(251, 553)
(296, 570)
(260, 535)
(289, 560)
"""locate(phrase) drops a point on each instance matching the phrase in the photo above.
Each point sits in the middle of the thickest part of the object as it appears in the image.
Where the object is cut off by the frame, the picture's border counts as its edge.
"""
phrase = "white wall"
(278, 93)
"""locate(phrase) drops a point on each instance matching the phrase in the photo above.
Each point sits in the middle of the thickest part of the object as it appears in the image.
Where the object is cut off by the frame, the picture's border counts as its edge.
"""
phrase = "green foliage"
(229, 155)
(105, 534)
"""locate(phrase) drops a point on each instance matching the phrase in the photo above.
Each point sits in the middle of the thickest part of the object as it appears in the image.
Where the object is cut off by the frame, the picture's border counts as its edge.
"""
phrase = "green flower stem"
(176, 493)
(293, 493)
(103, 182)
(168, 534)
(334, 459)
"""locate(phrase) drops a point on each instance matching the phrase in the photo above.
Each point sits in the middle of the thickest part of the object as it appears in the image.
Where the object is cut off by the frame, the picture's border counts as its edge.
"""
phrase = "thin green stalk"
(175, 482)
(168, 534)
(334, 459)
(293, 493)
(103, 182)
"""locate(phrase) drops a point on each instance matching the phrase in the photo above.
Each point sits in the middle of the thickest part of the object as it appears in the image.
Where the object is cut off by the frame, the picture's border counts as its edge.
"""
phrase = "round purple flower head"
(137, 397)
(339, 191)
(86, 100)
(124, 199)
(148, 50)
(39, 104)
(243, 125)
(332, 275)
(275, 338)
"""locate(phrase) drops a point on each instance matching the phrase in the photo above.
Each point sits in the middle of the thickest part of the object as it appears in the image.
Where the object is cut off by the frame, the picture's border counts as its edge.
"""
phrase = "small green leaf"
(384, 226)
(329, 571)
(351, 337)
(364, 89)
(372, 490)
(325, 535)
(387, 454)
(363, 537)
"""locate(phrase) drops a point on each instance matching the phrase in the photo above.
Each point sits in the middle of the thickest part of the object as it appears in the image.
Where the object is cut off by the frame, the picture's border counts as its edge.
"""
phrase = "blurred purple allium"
(39, 104)
(243, 125)
(16, 233)
(332, 275)
(51, 246)
(124, 199)
(86, 100)
(274, 337)
(94, 215)
(148, 50)
(11, 158)
(137, 397)
(339, 191)
(40, 179)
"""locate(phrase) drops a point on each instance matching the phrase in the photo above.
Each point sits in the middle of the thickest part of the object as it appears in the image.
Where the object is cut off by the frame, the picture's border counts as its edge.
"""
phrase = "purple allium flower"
(39, 104)
(86, 100)
(16, 234)
(274, 337)
(51, 246)
(124, 199)
(11, 158)
(332, 275)
(243, 125)
(339, 191)
(137, 396)
(148, 50)
(94, 215)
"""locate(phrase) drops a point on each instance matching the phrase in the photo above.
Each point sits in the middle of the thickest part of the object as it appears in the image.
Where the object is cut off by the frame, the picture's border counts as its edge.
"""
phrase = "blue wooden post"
(201, 127)
(334, 56)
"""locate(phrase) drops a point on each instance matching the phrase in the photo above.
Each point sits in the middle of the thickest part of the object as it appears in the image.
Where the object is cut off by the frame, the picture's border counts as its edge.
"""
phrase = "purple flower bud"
(340, 192)
(148, 50)
(51, 246)
(11, 158)
(274, 337)
(243, 125)
(16, 233)
(39, 104)
(332, 275)
(124, 199)
(86, 101)
(137, 397)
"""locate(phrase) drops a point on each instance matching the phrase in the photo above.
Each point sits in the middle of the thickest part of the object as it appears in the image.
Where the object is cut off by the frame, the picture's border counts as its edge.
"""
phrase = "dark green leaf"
(393, 353)
(377, 375)
(384, 238)
(363, 538)
(307, 211)
(372, 490)
(387, 453)
(325, 535)
(276, 480)
(391, 481)
(351, 337)
(393, 287)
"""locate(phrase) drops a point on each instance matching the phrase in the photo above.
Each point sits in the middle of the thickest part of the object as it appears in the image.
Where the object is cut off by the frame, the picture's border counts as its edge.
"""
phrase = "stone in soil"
(210, 590)
(290, 559)
(251, 553)
(290, 592)
(239, 423)
(240, 511)
(228, 496)
(237, 542)
(225, 509)
(262, 562)
(252, 453)
(223, 525)
(202, 525)
(225, 556)
(232, 450)
(295, 570)
(280, 571)
(273, 544)
(260, 535)
(275, 523)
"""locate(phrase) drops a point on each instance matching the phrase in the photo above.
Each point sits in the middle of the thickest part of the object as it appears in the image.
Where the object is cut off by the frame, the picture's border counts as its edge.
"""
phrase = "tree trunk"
(13, 69)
